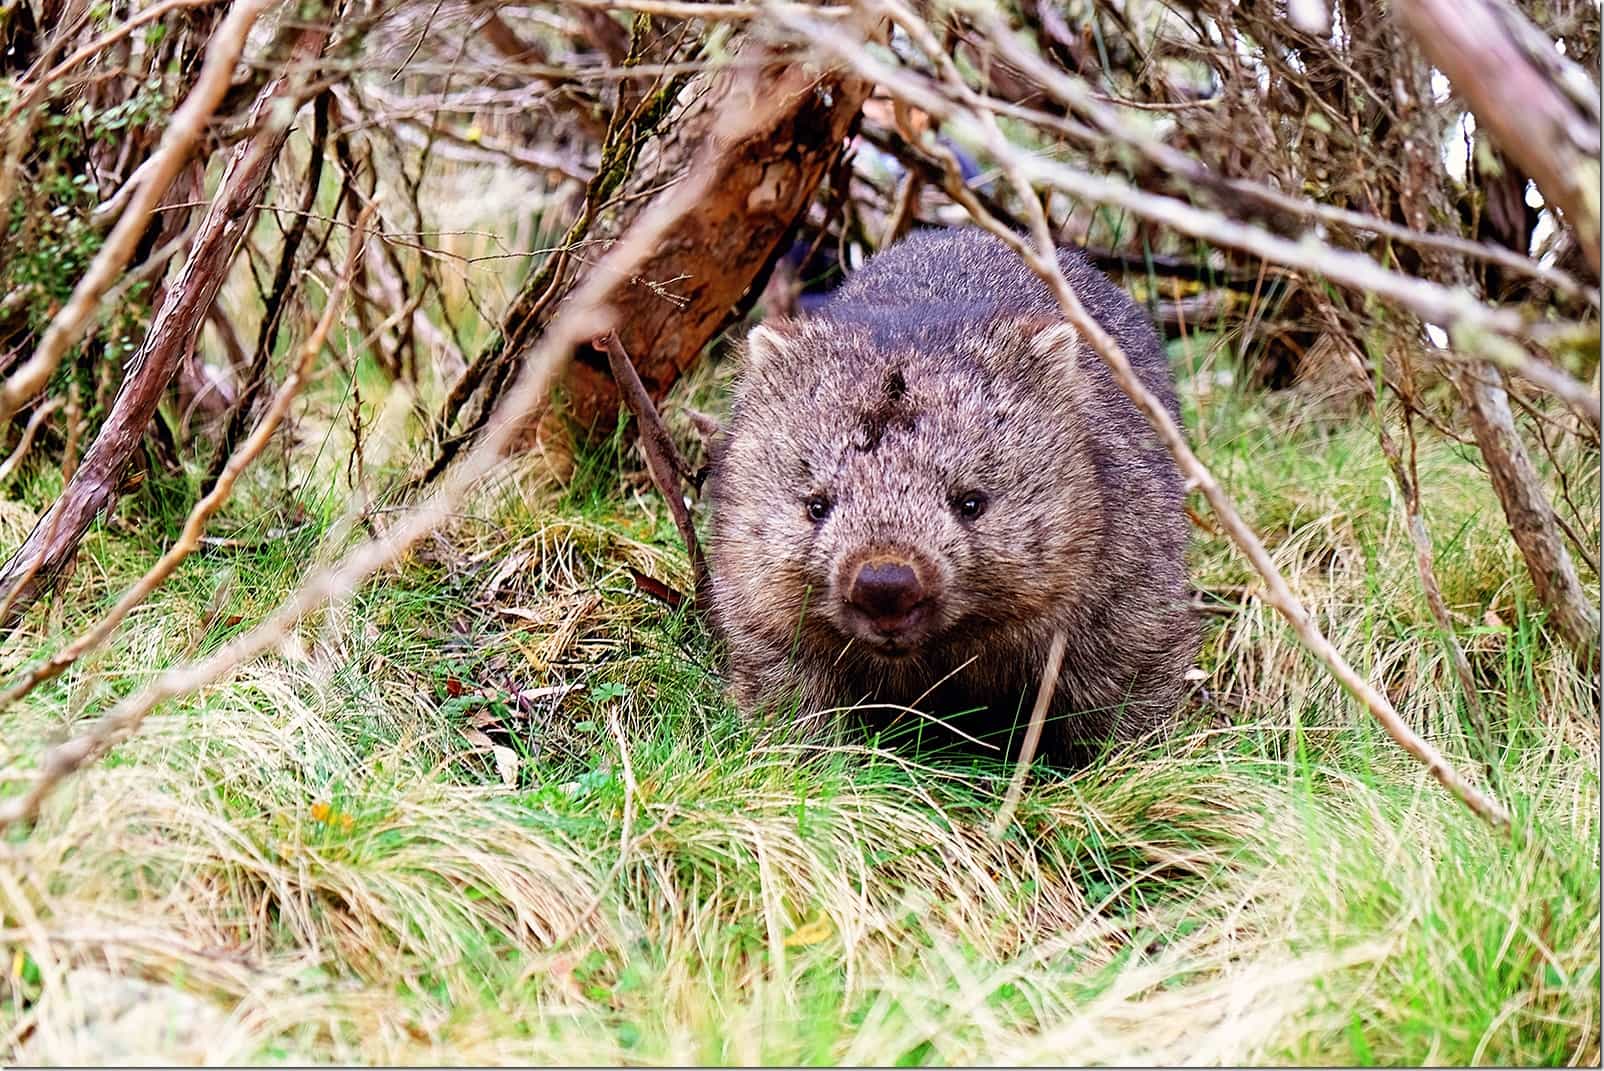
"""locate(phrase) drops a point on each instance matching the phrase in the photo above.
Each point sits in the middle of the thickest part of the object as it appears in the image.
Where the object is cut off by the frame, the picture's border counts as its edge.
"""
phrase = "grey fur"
(943, 367)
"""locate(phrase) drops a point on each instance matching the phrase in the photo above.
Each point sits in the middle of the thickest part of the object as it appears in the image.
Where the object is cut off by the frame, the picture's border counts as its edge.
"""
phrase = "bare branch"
(1506, 69)
(1407, 476)
(41, 84)
(1177, 164)
(583, 316)
(663, 461)
(35, 422)
(1038, 718)
(184, 130)
(1531, 517)
(1409, 481)
(1477, 328)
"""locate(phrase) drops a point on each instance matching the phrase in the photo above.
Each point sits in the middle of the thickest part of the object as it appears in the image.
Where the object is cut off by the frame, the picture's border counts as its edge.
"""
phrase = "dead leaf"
(810, 934)
(658, 590)
(506, 764)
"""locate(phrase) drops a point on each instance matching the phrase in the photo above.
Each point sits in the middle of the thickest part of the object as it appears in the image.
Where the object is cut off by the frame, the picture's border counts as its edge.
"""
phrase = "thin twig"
(1038, 717)
(1428, 581)
(1408, 479)
(40, 415)
(75, 434)
(1407, 476)
(255, 373)
(663, 461)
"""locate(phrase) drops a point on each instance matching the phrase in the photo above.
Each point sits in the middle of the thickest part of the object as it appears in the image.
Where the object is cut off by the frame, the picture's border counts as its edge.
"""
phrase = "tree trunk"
(695, 285)
(705, 272)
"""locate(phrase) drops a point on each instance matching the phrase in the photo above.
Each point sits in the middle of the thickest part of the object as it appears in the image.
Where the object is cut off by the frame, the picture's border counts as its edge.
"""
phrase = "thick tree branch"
(1539, 106)
(1531, 517)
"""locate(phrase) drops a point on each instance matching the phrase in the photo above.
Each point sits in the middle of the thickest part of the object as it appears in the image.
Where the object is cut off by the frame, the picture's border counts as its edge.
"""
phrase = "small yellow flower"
(321, 811)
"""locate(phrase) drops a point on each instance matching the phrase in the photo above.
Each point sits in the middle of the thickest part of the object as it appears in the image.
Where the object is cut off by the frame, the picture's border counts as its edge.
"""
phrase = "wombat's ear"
(767, 341)
(1056, 345)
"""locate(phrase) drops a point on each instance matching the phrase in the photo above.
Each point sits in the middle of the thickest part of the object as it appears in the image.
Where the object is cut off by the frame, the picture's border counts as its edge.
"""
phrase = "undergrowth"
(495, 806)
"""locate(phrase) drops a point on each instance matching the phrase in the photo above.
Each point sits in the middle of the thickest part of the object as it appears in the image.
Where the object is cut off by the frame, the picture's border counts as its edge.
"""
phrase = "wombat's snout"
(887, 594)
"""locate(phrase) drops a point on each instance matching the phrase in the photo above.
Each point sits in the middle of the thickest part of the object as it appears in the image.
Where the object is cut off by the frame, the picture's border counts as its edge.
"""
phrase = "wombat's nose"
(887, 591)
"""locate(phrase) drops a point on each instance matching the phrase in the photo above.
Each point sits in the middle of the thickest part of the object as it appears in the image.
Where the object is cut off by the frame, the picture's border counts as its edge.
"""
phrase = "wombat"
(922, 481)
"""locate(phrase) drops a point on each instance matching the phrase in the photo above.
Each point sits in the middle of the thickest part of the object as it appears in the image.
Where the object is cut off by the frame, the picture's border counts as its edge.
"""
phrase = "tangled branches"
(1306, 187)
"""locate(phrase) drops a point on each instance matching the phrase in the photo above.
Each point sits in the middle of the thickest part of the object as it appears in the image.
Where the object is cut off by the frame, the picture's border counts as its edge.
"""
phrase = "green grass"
(495, 807)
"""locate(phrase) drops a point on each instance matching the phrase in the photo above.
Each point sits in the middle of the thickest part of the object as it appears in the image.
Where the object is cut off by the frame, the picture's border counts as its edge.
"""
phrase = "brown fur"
(940, 369)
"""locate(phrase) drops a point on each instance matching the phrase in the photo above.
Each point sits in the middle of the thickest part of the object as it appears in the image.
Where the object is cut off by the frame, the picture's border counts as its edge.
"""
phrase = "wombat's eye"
(971, 504)
(818, 507)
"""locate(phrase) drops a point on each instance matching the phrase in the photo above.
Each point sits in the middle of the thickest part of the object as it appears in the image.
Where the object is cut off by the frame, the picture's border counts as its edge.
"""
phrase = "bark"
(51, 545)
(1539, 107)
(705, 271)
(693, 287)
(1531, 518)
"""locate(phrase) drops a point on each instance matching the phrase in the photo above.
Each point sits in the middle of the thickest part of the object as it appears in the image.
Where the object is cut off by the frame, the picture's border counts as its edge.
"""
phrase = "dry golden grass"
(494, 808)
